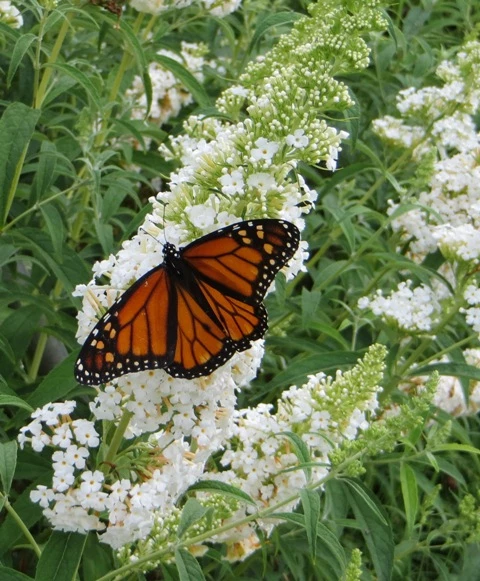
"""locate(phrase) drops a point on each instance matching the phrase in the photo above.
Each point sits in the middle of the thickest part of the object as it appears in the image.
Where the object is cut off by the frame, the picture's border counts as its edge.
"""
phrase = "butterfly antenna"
(164, 222)
(142, 229)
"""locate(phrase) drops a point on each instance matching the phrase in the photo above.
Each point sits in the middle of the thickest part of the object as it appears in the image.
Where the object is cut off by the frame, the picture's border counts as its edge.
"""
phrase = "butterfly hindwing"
(193, 312)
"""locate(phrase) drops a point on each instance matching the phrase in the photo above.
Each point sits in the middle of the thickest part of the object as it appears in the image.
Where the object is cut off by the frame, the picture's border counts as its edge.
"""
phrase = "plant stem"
(42, 89)
(13, 513)
(117, 438)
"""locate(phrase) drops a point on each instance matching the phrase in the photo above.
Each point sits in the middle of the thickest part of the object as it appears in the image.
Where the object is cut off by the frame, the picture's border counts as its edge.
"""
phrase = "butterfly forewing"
(243, 259)
(193, 312)
(134, 334)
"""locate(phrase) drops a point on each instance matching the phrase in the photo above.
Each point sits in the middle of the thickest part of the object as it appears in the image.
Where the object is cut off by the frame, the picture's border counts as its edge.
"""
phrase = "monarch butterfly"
(190, 314)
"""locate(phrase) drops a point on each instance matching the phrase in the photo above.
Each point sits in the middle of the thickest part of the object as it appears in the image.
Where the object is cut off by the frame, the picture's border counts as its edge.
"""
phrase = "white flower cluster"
(260, 458)
(123, 505)
(230, 172)
(439, 124)
(459, 243)
(199, 409)
(79, 495)
(216, 7)
(10, 15)
(413, 310)
(168, 93)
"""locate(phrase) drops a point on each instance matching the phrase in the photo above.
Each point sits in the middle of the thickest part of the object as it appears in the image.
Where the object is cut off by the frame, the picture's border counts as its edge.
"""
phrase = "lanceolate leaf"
(374, 526)
(16, 128)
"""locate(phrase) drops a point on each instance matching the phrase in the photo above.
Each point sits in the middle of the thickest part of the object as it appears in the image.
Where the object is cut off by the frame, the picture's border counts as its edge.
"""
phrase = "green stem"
(42, 89)
(123, 67)
(12, 512)
(37, 357)
(117, 439)
(33, 209)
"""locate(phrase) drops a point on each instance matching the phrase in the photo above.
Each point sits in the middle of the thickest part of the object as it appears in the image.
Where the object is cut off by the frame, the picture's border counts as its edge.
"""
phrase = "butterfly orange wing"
(133, 334)
(193, 312)
(233, 268)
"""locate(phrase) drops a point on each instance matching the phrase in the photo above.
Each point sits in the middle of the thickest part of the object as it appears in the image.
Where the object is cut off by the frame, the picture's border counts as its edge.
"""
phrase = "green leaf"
(18, 329)
(454, 369)
(57, 384)
(331, 549)
(104, 234)
(8, 462)
(55, 228)
(147, 83)
(311, 509)
(374, 526)
(12, 400)
(272, 20)
(450, 469)
(21, 47)
(456, 448)
(135, 47)
(471, 563)
(186, 78)
(187, 566)
(222, 488)
(98, 560)
(60, 557)
(7, 574)
(16, 129)
(301, 451)
(82, 79)
(298, 369)
(70, 271)
(45, 174)
(192, 512)
(62, 85)
(409, 486)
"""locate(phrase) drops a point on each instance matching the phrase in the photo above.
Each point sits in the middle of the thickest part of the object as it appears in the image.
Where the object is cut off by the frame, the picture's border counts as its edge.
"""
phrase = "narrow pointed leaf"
(187, 566)
(311, 510)
(61, 557)
(8, 463)
(192, 512)
(21, 47)
(16, 129)
(409, 486)
(222, 488)
(374, 526)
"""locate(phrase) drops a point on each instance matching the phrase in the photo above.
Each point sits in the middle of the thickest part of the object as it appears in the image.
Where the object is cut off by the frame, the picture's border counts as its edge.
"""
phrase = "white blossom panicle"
(447, 156)
(413, 310)
(257, 457)
(439, 125)
(9, 14)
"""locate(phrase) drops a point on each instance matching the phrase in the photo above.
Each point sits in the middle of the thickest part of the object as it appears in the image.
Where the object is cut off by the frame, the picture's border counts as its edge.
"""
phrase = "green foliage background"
(70, 196)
